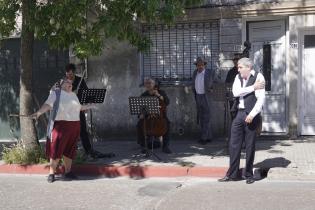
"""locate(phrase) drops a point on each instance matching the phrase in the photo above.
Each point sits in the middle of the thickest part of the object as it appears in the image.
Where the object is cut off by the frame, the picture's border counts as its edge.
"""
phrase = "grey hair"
(246, 62)
(148, 79)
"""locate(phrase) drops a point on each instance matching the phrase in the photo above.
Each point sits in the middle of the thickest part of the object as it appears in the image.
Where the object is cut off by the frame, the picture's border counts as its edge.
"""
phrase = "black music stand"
(223, 93)
(95, 96)
(145, 106)
(228, 117)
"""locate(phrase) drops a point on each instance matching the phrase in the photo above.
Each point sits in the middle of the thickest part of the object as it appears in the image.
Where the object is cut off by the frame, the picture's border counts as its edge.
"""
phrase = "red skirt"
(64, 138)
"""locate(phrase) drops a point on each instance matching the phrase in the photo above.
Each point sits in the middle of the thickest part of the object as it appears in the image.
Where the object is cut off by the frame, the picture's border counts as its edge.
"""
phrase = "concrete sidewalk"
(280, 159)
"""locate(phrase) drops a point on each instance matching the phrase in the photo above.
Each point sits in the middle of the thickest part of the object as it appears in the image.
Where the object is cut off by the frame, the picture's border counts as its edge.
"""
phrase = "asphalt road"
(33, 192)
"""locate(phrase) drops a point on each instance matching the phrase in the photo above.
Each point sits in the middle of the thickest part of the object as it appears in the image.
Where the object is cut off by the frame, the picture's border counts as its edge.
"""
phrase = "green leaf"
(85, 24)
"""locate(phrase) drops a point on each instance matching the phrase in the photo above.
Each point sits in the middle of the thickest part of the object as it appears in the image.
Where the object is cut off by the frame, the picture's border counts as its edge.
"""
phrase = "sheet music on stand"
(138, 104)
(145, 105)
(95, 96)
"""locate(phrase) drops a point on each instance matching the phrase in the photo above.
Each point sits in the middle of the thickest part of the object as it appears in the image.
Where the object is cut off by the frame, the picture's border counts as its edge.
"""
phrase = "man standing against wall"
(230, 78)
(233, 71)
(79, 84)
(202, 84)
(249, 89)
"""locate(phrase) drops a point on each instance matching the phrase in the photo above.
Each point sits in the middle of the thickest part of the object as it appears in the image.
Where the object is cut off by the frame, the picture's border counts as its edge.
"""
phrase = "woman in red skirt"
(62, 139)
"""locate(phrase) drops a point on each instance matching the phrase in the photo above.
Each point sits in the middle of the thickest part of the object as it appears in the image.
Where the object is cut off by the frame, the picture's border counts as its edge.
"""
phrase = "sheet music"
(150, 103)
(92, 95)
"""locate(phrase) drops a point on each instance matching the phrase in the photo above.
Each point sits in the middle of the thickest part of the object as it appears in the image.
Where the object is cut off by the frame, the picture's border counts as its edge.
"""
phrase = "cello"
(156, 125)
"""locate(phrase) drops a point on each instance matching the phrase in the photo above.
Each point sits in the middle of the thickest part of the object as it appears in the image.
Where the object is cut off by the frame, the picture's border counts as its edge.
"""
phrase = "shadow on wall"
(48, 67)
(119, 69)
(9, 86)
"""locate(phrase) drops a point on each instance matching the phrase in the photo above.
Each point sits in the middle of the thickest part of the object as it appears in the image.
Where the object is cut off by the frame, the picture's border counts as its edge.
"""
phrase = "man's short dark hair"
(70, 67)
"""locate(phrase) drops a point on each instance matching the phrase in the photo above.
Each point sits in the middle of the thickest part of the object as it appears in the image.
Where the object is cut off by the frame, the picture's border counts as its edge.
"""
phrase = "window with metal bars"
(175, 48)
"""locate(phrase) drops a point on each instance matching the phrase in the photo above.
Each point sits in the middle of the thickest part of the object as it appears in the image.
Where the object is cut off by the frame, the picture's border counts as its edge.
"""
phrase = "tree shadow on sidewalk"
(185, 152)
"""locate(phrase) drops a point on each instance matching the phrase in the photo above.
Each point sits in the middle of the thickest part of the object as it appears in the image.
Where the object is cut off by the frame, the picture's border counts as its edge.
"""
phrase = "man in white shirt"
(249, 89)
(80, 84)
(202, 84)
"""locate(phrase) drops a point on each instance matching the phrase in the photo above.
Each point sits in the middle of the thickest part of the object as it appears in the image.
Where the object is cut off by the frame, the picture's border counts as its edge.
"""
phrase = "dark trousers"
(241, 131)
(203, 109)
(141, 137)
(84, 136)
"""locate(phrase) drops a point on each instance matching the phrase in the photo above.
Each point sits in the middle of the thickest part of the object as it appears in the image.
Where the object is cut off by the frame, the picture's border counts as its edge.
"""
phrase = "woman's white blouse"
(69, 106)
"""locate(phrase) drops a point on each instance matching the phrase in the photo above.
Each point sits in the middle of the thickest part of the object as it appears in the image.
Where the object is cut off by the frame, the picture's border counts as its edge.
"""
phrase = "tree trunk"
(28, 130)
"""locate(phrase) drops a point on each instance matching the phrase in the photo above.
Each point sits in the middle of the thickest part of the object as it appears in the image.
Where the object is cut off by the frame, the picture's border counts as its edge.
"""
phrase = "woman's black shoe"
(51, 178)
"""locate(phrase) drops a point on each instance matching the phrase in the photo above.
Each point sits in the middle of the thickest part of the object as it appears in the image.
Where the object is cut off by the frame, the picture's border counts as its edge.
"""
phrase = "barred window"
(175, 48)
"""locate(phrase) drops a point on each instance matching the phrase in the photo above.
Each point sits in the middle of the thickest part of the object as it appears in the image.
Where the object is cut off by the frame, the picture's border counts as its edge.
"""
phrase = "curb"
(117, 171)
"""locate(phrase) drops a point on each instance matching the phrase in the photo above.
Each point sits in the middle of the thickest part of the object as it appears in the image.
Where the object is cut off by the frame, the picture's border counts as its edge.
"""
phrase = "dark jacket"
(249, 100)
(209, 79)
(76, 82)
(231, 75)
(75, 87)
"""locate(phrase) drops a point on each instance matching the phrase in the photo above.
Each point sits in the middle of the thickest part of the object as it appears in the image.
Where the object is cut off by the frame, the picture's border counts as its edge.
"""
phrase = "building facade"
(282, 37)
(48, 67)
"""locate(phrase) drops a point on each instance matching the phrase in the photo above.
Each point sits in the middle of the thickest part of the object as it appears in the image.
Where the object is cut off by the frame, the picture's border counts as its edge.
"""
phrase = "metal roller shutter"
(175, 48)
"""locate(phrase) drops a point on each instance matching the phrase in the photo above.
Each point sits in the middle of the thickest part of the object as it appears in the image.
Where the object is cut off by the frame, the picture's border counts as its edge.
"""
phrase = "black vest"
(250, 99)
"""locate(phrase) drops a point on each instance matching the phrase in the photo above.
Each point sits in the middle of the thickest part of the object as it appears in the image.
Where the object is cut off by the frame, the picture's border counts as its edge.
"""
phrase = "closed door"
(272, 35)
(307, 55)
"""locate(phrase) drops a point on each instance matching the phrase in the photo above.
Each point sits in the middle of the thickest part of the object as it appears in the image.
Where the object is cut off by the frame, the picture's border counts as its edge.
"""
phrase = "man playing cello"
(152, 89)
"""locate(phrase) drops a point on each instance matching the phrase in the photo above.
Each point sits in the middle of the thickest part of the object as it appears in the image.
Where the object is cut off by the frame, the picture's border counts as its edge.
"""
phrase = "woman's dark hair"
(70, 67)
